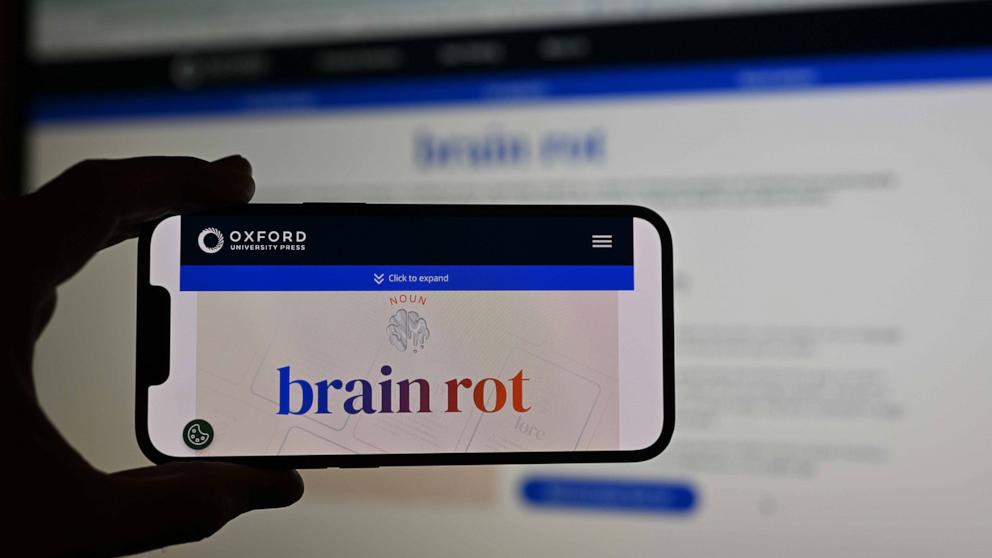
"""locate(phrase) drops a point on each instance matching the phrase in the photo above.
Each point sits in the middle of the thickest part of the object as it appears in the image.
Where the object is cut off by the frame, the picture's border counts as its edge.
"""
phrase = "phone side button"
(333, 204)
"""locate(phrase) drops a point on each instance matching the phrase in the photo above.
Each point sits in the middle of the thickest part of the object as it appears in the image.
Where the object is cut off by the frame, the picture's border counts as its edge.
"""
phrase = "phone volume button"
(333, 204)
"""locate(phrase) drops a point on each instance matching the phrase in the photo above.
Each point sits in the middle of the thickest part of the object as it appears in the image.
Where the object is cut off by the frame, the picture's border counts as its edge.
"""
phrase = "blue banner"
(743, 76)
(406, 278)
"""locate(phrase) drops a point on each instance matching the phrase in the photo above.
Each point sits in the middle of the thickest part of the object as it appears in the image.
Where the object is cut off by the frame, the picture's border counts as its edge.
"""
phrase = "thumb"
(188, 501)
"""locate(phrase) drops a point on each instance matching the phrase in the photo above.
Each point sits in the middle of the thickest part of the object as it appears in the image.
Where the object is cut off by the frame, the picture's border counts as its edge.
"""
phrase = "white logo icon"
(218, 240)
(378, 278)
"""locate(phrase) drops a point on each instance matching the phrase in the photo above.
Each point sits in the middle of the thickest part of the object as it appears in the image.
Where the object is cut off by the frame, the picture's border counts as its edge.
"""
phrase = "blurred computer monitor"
(826, 168)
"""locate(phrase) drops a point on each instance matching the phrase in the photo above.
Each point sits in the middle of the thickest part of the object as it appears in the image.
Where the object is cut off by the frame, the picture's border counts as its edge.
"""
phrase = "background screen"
(826, 175)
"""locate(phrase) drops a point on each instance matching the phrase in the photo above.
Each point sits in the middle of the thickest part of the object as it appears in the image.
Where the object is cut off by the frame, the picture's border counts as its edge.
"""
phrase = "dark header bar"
(406, 240)
(828, 32)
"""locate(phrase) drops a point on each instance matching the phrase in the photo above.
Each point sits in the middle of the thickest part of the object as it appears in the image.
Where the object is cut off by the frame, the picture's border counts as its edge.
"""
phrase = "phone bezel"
(153, 339)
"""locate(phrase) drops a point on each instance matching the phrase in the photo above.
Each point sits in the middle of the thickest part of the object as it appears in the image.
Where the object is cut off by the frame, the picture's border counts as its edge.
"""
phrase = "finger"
(97, 203)
(189, 501)
(238, 192)
(146, 188)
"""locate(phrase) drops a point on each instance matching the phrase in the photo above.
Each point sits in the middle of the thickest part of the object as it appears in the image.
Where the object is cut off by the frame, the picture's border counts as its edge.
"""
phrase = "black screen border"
(153, 339)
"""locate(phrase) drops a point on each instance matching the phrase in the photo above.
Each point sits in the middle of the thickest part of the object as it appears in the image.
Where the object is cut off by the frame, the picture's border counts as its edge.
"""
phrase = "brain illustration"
(407, 330)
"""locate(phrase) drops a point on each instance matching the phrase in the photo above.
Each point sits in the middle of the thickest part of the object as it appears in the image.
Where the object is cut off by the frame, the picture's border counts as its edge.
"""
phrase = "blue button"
(610, 494)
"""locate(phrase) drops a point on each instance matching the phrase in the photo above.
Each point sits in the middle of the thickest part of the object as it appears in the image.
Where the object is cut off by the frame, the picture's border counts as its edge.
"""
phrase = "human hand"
(60, 503)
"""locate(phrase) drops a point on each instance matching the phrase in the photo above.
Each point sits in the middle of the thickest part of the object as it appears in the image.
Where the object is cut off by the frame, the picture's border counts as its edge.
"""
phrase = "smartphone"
(358, 335)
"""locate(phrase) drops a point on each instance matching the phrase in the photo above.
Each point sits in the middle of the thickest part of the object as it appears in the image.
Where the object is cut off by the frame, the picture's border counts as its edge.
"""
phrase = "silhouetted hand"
(58, 502)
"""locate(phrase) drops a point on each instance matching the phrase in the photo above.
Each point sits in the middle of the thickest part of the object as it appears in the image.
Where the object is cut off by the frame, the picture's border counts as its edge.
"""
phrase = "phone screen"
(408, 332)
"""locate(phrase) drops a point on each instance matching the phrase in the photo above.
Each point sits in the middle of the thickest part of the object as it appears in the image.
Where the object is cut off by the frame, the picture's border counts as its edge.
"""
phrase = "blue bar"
(779, 74)
(610, 494)
(414, 278)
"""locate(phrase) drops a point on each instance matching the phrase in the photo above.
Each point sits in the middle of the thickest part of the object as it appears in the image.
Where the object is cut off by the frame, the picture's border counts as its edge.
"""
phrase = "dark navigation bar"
(827, 32)
(313, 240)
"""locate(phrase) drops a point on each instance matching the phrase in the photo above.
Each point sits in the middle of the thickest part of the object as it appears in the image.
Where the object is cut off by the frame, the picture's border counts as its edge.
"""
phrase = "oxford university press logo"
(211, 240)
